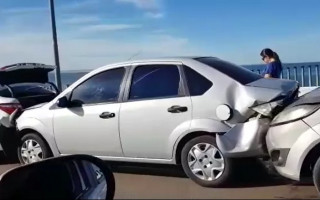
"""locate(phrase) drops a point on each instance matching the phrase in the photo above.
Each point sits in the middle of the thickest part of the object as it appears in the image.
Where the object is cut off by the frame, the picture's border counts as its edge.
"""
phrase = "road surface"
(169, 182)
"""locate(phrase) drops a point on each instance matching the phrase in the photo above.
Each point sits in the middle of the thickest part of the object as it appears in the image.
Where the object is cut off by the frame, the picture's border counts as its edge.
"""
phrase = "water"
(68, 78)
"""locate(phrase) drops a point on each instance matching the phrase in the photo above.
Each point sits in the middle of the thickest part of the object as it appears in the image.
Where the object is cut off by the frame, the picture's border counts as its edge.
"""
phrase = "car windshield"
(238, 73)
(31, 89)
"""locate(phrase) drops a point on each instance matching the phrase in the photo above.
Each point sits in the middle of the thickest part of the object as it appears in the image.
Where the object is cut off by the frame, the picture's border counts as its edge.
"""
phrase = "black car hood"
(310, 98)
(24, 73)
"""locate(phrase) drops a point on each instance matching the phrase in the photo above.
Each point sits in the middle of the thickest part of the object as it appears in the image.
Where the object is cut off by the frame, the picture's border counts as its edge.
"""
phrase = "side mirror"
(68, 177)
(63, 102)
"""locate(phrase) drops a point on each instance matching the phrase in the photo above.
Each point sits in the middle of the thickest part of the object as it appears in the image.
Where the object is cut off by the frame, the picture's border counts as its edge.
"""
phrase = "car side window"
(155, 81)
(101, 88)
(197, 83)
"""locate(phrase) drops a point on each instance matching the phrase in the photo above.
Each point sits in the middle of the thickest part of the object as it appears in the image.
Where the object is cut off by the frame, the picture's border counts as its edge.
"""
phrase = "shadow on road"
(248, 173)
(4, 160)
(148, 169)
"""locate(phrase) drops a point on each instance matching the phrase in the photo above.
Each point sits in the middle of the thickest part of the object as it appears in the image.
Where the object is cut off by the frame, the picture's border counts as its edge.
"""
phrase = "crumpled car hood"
(310, 98)
(271, 89)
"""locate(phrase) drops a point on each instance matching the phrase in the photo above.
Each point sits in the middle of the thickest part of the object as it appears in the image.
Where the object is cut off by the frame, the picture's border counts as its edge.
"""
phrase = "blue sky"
(93, 33)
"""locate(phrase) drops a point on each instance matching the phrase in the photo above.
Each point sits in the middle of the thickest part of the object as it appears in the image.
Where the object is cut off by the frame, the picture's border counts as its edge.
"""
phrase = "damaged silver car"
(200, 112)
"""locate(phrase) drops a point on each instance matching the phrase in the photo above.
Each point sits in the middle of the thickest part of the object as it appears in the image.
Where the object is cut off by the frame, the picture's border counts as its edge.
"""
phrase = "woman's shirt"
(273, 69)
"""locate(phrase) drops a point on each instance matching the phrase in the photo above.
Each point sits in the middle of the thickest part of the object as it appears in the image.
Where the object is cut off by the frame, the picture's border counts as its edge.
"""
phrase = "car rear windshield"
(31, 89)
(238, 73)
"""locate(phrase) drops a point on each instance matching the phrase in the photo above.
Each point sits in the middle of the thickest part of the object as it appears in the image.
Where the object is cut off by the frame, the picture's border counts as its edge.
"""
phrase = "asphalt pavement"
(252, 181)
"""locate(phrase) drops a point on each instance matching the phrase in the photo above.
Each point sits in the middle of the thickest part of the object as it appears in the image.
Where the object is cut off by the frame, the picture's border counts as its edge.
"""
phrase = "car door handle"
(107, 115)
(177, 109)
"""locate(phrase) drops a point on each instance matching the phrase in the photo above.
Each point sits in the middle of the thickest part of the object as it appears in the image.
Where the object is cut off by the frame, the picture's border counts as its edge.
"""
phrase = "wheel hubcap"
(31, 152)
(206, 161)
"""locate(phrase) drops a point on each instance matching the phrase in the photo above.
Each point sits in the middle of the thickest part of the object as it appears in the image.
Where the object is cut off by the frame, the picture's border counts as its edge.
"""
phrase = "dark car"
(22, 85)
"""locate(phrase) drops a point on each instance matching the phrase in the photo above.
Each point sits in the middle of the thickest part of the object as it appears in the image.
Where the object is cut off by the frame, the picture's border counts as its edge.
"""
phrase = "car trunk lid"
(25, 72)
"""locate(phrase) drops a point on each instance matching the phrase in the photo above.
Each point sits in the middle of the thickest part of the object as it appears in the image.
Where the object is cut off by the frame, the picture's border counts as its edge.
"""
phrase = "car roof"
(165, 59)
(150, 60)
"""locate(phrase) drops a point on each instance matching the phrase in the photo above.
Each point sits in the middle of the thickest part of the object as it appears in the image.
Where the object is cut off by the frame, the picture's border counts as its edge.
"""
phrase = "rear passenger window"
(4, 92)
(197, 84)
(156, 81)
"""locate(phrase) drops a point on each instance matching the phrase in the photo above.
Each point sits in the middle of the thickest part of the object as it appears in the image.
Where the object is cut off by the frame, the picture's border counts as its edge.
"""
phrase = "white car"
(200, 112)
(293, 139)
(22, 85)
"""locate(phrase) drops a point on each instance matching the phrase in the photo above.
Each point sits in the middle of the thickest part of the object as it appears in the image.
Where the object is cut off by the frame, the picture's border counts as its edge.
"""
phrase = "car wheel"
(316, 175)
(204, 163)
(32, 149)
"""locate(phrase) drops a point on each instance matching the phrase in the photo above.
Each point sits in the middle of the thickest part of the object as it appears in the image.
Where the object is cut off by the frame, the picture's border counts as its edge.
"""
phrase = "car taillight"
(9, 108)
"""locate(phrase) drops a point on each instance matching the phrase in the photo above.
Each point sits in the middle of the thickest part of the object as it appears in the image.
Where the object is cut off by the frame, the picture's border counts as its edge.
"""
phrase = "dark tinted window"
(103, 87)
(155, 82)
(31, 89)
(238, 73)
(197, 84)
(4, 92)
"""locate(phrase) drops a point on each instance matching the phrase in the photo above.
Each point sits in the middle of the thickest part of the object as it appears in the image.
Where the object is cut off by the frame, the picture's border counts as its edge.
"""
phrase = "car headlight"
(294, 113)
(266, 108)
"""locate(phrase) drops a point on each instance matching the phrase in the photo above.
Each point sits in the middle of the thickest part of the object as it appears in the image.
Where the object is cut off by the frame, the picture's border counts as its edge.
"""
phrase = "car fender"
(195, 126)
(38, 126)
(299, 151)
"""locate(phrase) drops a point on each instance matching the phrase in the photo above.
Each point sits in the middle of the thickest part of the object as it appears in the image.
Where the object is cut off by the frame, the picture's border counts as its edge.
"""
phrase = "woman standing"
(274, 65)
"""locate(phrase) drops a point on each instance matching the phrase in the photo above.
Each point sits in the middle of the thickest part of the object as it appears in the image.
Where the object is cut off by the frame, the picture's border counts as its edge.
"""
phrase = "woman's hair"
(271, 54)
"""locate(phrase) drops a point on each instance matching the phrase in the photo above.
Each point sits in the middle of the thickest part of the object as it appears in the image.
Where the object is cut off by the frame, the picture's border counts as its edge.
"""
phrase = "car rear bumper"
(8, 141)
(245, 140)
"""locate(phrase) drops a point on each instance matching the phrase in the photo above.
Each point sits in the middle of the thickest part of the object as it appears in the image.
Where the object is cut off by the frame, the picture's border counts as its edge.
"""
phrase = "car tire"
(34, 149)
(316, 175)
(204, 163)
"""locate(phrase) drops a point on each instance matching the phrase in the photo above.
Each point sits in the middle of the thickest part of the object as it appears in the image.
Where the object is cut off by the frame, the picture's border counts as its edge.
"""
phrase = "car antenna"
(135, 55)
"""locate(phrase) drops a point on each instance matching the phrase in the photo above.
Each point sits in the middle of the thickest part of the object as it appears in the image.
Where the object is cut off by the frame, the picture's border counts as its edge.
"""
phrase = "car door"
(156, 105)
(92, 127)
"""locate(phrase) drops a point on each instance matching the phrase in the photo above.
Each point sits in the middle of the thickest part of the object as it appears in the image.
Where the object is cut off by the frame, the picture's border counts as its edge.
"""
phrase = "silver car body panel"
(245, 139)
(313, 120)
(225, 90)
(297, 136)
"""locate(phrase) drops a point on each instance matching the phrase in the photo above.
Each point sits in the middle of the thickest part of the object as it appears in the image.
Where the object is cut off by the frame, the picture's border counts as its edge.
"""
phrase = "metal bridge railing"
(307, 75)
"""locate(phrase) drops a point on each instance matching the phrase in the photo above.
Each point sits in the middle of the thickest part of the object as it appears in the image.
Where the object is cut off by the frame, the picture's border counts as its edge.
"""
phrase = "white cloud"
(77, 54)
(143, 4)
(79, 4)
(156, 15)
(24, 10)
(108, 27)
(151, 7)
(291, 49)
(81, 19)
(25, 48)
